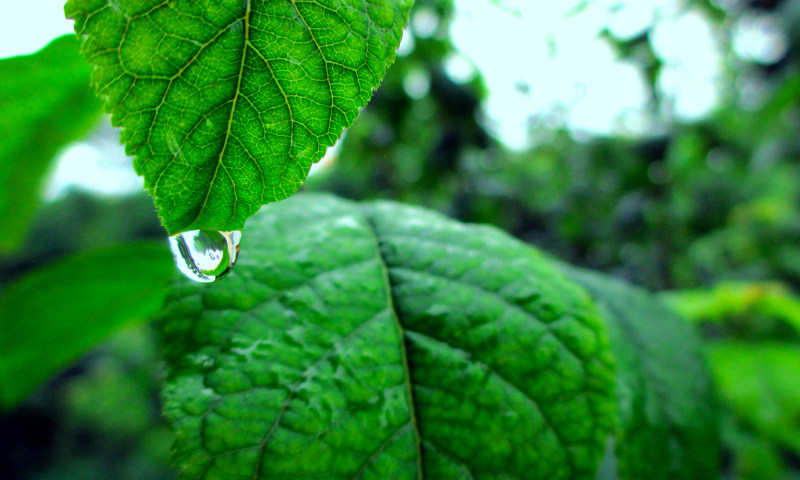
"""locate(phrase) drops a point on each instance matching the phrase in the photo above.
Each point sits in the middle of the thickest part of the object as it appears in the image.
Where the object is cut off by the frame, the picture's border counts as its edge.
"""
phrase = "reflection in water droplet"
(205, 255)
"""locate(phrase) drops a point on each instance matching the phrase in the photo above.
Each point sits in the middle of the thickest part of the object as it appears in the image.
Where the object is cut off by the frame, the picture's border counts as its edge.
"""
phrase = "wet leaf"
(380, 341)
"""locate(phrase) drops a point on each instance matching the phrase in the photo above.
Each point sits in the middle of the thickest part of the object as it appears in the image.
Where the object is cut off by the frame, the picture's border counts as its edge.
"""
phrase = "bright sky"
(572, 76)
(27, 26)
(98, 163)
(544, 62)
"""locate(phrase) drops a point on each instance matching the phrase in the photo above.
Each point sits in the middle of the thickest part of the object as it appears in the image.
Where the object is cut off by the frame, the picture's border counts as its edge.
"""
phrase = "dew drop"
(205, 255)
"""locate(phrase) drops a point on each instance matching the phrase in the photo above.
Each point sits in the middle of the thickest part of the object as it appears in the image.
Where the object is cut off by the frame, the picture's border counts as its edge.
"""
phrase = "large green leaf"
(668, 413)
(46, 103)
(226, 103)
(52, 315)
(379, 341)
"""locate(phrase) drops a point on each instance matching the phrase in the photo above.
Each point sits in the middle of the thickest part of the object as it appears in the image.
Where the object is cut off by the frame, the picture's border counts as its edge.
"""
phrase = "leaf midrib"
(389, 291)
(390, 308)
(245, 45)
(228, 132)
(404, 335)
(549, 424)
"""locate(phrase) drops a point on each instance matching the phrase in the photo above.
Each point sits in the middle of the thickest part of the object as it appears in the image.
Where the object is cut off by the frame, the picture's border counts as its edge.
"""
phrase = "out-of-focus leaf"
(755, 457)
(668, 412)
(52, 315)
(728, 300)
(760, 382)
(227, 103)
(45, 102)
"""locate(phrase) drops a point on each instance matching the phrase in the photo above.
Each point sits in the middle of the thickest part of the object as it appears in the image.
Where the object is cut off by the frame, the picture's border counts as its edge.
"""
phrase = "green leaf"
(668, 426)
(379, 341)
(46, 103)
(733, 299)
(227, 103)
(761, 384)
(52, 315)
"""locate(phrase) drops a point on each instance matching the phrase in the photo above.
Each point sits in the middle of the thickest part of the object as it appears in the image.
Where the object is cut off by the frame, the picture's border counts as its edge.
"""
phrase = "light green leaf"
(227, 103)
(52, 315)
(379, 341)
(731, 299)
(760, 382)
(668, 425)
(46, 103)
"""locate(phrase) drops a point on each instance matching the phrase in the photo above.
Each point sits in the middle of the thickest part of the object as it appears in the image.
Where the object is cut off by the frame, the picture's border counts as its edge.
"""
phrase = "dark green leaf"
(668, 416)
(379, 341)
(52, 315)
(46, 103)
(226, 103)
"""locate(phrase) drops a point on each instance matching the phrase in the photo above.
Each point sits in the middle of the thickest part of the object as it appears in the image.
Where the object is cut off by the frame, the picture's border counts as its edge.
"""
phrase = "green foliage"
(371, 340)
(100, 420)
(759, 383)
(727, 302)
(711, 200)
(381, 341)
(54, 314)
(226, 104)
(46, 103)
(666, 399)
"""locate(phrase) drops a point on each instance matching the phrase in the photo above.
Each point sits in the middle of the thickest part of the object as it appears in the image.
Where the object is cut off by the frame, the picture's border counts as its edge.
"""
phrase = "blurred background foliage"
(700, 201)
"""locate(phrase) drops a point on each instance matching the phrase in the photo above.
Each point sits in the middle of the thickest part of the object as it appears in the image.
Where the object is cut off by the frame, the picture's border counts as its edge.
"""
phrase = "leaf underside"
(377, 341)
(226, 103)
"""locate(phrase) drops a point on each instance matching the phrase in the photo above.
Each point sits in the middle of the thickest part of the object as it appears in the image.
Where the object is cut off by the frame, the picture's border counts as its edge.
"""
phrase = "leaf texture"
(668, 427)
(226, 103)
(377, 341)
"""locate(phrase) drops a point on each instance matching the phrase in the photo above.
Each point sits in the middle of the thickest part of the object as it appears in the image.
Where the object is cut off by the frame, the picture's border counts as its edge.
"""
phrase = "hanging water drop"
(205, 255)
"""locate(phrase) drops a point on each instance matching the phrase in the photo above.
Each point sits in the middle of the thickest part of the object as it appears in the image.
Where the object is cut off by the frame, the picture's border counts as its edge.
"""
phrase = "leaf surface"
(46, 103)
(668, 426)
(226, 103)
(52, 315)
(379, 341)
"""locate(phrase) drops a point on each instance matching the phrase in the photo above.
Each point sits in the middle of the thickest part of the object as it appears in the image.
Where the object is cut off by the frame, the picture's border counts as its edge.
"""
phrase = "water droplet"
(205, 255)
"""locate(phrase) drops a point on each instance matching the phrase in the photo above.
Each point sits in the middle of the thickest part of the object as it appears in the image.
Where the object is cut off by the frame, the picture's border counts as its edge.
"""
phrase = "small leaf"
(668, 414)
(227, 103)
(46, 103)
(52, 315)
(379, 341)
